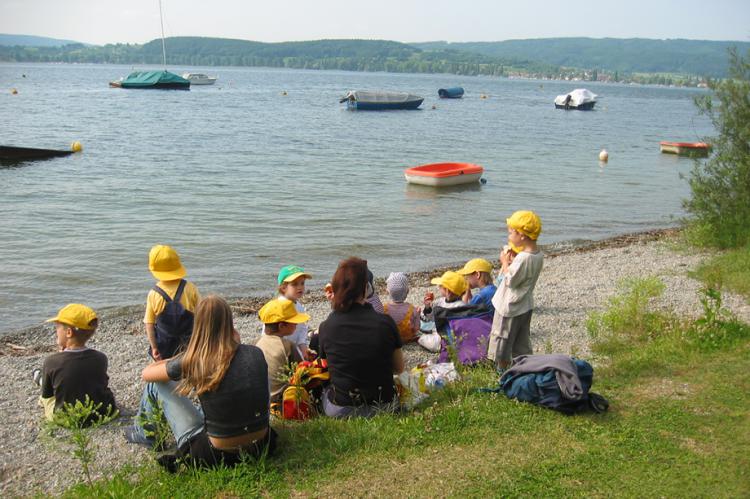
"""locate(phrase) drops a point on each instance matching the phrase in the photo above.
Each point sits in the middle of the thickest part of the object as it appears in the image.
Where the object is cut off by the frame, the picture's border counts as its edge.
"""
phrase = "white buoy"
(603, 155)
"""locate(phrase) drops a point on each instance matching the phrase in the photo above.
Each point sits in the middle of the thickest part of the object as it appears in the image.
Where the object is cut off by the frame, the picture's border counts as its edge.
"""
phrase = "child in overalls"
(405, 315)
(169, 305)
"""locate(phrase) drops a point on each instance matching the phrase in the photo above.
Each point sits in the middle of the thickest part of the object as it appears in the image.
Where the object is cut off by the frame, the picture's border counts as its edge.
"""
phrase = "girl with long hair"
(229, 379)
(362, 346)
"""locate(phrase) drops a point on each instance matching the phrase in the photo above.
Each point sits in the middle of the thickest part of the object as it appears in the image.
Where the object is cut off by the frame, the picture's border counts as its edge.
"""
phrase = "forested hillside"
(683, 62)
(633, 55)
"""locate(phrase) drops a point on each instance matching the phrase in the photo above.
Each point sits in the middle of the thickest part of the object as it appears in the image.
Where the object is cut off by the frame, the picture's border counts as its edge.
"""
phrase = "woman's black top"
(359, 346)
(240, 404)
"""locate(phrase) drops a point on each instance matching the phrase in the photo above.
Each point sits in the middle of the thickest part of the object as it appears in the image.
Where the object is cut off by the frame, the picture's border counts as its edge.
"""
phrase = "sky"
(137, 21)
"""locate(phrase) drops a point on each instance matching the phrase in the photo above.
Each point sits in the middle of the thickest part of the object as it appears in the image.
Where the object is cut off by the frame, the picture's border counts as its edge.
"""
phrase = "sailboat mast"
(163, 45)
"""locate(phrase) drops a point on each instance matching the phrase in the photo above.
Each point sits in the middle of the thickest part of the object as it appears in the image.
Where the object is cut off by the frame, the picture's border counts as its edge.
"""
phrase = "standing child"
(452, 286)
(478, 273)
(169, 305)
(280, 319)
(405, 315)
(76, 371)
(514, 299)
(292, 287)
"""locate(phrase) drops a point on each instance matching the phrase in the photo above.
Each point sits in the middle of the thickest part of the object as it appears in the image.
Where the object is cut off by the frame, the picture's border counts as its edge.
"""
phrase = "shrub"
(720, 201)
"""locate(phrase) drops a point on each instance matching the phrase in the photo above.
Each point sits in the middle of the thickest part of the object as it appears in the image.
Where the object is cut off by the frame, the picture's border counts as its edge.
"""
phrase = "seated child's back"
(280, 319)
(77, 371)
(405, 315)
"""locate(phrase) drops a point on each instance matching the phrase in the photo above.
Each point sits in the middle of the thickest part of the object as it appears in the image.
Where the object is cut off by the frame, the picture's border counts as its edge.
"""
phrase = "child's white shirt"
(515, 294)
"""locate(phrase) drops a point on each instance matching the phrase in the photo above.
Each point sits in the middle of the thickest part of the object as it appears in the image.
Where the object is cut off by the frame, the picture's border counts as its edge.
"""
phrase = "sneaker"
(134, 435)
(36, 375)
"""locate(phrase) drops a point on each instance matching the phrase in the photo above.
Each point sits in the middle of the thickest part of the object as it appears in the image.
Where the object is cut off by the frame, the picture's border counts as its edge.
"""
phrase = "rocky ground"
(575, 281)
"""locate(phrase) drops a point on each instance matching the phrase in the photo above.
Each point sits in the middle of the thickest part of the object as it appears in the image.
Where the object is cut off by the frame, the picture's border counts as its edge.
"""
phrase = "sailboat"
(154, 79)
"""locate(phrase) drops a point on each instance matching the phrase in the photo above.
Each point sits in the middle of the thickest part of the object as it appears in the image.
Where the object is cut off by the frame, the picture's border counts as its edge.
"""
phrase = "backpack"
(174, 324)
(542, 388)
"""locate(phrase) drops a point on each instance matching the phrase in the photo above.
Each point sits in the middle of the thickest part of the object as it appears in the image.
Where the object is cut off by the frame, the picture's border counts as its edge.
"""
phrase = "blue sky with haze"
(137, 21)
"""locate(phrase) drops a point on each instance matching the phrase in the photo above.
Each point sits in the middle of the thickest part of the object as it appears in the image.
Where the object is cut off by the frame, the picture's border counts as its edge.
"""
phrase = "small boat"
(380, 101)
(694, 149)
(12, 153)
(444, 174)
(579, 99)
(163, 80)
(199, 78)
(451, 93)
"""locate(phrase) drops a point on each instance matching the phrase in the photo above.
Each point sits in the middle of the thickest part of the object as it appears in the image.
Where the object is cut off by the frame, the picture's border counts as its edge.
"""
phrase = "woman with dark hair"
(362, 346)
(229, 379)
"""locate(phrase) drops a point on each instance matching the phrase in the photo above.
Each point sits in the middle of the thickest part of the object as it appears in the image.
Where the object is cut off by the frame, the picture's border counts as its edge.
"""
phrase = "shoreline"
(575, 281)
(245, 305)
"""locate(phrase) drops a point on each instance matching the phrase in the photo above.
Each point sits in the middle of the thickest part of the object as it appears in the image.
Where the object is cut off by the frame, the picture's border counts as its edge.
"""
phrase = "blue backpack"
(543, 389)
(174, 325)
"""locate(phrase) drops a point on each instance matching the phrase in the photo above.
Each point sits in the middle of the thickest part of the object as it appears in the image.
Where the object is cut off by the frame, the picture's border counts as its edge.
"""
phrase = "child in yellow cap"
(451, 286)
(478, 274)
(514, 299)
(170, 304)
(76, 371)
(280, 319)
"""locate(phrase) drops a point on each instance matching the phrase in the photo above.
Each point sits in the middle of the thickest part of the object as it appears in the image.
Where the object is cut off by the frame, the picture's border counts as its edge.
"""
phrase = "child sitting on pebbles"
(451, 286)
(76, 372)
(405, 315)
(478, 274)
(280, 319)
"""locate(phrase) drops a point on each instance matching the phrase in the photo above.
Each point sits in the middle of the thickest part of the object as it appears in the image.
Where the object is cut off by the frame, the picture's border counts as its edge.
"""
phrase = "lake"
(266, 168)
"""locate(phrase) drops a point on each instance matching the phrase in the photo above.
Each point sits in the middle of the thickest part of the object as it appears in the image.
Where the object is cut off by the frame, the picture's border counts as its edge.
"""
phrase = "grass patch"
(729, 270)
(678, 425)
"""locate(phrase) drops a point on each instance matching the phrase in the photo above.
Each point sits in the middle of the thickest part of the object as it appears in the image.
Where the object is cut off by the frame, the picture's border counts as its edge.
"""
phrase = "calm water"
(242, 179)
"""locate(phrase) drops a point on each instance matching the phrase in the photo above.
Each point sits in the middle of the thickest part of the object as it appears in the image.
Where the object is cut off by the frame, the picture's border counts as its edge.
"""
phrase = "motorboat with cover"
(199, 78)
(380, 101)
(152, 79)
(580, 99)
(443, 174)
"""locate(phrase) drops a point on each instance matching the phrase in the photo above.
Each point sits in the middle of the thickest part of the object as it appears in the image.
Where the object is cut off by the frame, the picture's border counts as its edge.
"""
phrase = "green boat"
(152, 79)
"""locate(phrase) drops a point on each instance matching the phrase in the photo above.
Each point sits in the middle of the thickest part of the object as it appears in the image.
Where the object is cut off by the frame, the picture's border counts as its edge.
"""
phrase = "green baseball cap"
(291, 272)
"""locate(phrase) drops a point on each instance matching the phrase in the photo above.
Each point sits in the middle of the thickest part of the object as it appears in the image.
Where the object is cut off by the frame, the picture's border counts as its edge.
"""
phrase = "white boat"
(199, 78)
(580, 99)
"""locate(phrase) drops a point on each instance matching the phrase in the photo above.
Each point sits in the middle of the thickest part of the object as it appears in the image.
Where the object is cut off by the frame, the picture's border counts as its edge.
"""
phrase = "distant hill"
(678, 62)
(32, 41)
(352, 55)
(632, 55)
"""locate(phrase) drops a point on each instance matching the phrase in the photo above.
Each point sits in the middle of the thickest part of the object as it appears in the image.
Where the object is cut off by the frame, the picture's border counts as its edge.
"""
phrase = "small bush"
(79, 419)
(628, 318)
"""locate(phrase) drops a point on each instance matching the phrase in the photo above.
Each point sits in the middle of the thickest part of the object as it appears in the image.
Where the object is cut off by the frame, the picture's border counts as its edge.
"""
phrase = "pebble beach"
(574, 282)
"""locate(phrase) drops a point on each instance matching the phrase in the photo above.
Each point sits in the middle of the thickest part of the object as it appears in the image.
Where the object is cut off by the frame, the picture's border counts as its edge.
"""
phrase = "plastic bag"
(430, 341)
(416, 385)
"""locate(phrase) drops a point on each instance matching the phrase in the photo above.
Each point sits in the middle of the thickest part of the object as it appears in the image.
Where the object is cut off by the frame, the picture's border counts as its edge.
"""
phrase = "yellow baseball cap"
(475, 265)
(453, 281)
(77, 316)
(291, 272)
(527, 223)
(281, 311)
(164, 263)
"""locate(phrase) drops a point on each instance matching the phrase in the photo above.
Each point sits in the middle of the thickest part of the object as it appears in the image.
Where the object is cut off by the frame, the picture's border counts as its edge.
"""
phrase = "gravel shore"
(574, 282)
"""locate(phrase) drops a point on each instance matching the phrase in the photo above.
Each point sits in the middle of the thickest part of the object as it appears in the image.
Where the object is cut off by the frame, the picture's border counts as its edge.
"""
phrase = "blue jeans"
(185, 418)
(360, 411)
